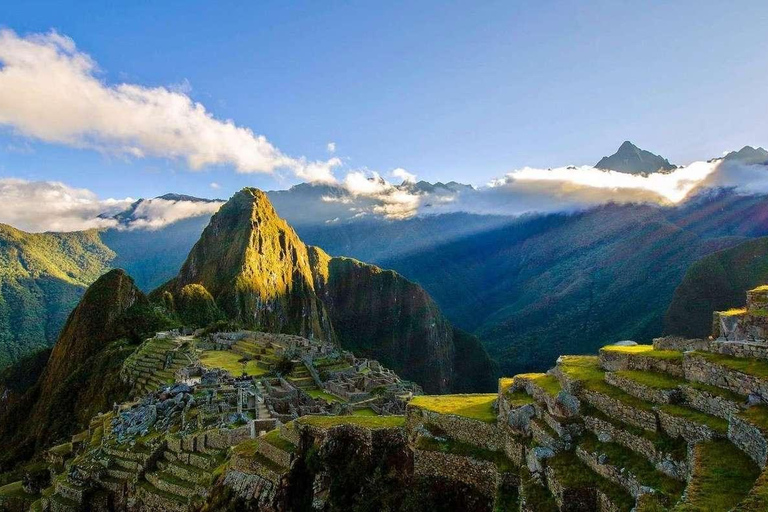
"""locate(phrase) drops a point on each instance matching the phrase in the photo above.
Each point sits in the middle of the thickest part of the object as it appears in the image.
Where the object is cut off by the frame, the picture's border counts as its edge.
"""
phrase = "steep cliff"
(256, 269)
(81, 375)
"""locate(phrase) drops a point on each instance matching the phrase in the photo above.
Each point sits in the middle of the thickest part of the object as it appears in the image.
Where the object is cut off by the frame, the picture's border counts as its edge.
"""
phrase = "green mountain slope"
(716, 283)
(42, 276)
(566, 283)
(81, 375)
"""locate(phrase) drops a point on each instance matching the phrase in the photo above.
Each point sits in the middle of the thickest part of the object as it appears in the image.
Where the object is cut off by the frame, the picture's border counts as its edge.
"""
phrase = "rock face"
(633, 160)
(256, 269)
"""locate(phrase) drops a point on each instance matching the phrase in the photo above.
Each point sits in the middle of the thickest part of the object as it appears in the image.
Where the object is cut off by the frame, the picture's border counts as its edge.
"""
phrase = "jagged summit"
(748, 155)
(256, 269)
(633, 160)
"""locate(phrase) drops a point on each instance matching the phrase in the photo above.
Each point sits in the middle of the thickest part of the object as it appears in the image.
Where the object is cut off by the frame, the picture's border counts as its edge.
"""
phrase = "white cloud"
(37, 206)
(331, 147)
(404, 175)
(52, 206)
(49, 91)
(157, 213)
(214, 185)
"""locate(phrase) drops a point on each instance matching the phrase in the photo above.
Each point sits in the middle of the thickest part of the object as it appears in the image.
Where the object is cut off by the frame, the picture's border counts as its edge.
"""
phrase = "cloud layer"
(37, 206)
(50, 91)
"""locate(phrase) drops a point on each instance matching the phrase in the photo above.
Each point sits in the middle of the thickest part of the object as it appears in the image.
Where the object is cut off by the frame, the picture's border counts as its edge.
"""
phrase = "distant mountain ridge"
(748, 155)
(633, 160)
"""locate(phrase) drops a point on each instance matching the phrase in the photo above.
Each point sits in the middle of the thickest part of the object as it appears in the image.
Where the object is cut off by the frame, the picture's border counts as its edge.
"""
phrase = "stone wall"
(709, 403)
(716, 346)
(612, 360)
(617, 409)
(482, 475)
(250, 487)
(612, 473)
(750, 439)
(607, 432)
(691, 431)
(571, 499)
(647, 393)
(478, 433)
(699, 369)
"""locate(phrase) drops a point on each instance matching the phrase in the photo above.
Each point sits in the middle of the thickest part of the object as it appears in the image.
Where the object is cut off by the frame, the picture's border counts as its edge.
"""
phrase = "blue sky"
(462, 91)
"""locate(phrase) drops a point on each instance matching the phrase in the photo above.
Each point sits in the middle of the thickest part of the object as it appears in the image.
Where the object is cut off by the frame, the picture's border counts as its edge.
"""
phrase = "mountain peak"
(255, 267)
(748, 155)
(633, 160)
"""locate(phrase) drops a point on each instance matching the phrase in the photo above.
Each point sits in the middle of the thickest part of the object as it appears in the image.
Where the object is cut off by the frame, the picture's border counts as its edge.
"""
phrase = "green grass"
(275, 439)
(476, 407)
(519, 398)
(581, 368)
(717, 424)
(319, 393)
(505, 383)
(571, 472)
(231, 362)
(757, 500)
(722, 476)
(365, 412)
(465, 450)
(548, 383)
(637, 465)
(372, 422)
(757, 415)
(749, 366)
(537, 497)
(645, 350)
(651, 379)
(761, 288)
(14, 490)
(602, 387)
(714, 390)
(734, 312)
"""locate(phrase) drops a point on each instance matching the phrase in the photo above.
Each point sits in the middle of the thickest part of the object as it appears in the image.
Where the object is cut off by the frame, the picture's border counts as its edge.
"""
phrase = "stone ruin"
(747, 324)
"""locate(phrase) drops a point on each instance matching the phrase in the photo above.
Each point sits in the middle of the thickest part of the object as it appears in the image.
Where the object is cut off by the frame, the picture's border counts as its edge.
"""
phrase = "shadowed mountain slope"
(717, 282)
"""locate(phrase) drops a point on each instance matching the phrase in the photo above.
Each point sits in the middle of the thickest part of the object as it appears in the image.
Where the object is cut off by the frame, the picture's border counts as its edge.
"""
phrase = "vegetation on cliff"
(81, 375)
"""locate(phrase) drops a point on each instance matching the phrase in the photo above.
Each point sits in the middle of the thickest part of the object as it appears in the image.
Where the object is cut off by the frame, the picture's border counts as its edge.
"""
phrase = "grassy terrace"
(505, 383)
(645, 350)
(548, 383)
(750, 366)
(734, 312)
(586, 369)
(319, 393)
(722, 476)
(14, 490)
(637, 465)
(466, 450)
(757, 415)
(231, 362)
(519, 398)
(360, 421)
(573, 473)
(477, 407)
(714, 390)
(676, 448)
(717, 424)
(275, 439)
(651, 379)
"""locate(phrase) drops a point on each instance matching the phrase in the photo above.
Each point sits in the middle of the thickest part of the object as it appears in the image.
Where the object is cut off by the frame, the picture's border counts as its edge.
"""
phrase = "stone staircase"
(657, 427)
